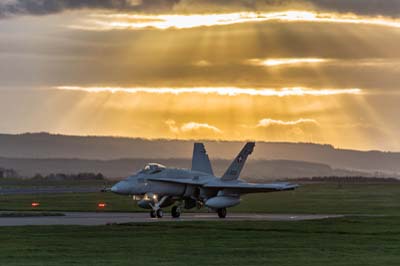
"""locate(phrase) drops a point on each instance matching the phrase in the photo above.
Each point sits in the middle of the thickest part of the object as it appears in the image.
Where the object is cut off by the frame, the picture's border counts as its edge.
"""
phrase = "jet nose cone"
(118, 188)
(121, 187)
(114, 189)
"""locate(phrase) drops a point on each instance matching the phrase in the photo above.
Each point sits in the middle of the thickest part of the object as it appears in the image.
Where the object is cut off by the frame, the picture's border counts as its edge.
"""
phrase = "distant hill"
(254, 169)
(43, 145)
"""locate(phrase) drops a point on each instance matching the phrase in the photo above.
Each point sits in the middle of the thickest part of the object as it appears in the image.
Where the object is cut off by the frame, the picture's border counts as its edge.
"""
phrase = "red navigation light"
(101, 205)
(35, 204)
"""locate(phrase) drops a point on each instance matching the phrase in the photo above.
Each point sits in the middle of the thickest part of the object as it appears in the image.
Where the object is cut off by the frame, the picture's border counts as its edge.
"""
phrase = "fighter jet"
(156, 186)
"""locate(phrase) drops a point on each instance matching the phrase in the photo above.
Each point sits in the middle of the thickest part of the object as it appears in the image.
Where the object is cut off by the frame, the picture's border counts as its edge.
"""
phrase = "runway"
(103, 218)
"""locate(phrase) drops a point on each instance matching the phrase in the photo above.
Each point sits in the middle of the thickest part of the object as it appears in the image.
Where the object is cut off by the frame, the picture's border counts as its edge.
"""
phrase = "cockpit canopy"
(152, 168)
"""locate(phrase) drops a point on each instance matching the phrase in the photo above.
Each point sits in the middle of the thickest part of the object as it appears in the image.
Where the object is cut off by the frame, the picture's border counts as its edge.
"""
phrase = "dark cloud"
(361, 7)
(43, 7)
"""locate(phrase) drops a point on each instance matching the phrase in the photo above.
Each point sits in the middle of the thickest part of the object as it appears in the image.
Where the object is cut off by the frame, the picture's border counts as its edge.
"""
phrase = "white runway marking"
(102, 218)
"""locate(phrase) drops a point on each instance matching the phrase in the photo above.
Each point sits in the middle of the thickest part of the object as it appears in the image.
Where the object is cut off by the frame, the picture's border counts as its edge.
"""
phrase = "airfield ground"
(370, 239)
(311, 199)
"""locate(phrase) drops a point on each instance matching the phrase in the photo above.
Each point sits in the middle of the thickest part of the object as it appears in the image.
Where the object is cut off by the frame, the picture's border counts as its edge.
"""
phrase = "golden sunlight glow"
(191, 127)
(224, 91)
(266, 122)
(287, 61)
(137, 21)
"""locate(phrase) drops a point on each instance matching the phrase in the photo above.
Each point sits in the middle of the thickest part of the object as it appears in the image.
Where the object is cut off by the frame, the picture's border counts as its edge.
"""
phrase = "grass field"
(353, 240)
(316, 198)
(346, 241)
(43, 183)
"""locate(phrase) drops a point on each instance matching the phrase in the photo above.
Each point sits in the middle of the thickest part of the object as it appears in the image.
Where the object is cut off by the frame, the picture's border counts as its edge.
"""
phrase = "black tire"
(152, 214)
(221, 212)
(159, 213)
(176, 212)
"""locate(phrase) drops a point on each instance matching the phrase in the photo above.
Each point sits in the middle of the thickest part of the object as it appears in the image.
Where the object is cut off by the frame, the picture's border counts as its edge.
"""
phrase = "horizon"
(187, 140)
(194, 140)
(38, 152)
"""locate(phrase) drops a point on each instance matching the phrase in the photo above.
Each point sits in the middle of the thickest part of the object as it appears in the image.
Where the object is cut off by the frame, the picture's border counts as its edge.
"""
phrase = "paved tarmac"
(102, 218)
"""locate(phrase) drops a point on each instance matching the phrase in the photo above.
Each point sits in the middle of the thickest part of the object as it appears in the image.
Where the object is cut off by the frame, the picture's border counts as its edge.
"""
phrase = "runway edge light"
(101, 205)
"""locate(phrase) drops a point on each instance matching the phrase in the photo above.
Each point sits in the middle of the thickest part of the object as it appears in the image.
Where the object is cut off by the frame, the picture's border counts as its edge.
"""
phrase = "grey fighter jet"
(156, 186)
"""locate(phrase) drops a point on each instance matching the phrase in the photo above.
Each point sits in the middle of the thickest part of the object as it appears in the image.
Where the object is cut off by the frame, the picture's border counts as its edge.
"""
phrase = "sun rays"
(236, 112)
(296, 75)
(223, 91)
(179, 21)
(287, 61)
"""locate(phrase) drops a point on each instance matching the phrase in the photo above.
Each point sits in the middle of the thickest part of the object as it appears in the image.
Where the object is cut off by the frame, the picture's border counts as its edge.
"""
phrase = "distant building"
(7, 173)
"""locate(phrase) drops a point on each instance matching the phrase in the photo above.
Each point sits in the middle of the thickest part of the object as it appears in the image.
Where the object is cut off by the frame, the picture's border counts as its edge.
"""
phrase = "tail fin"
(233, 172)
(200, 160)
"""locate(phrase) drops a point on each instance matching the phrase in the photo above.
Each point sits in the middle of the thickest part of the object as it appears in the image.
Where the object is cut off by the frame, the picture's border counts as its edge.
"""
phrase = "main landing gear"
(221, 212)
(176, 212)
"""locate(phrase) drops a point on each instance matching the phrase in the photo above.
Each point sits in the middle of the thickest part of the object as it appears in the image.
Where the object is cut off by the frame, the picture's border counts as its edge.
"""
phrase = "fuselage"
(149, 185)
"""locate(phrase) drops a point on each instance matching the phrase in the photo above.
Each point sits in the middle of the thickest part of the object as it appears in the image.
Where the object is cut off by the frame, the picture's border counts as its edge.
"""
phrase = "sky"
(316, 71)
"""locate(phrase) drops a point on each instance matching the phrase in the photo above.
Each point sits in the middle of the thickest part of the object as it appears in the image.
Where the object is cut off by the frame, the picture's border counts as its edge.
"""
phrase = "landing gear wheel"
(176, 212)
(152, 214)
(159, 213)
(221, 212)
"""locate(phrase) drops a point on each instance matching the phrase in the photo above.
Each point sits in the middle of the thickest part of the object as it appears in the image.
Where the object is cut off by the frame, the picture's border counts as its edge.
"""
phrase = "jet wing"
(188, 181)
(251, 187)
(242, 187)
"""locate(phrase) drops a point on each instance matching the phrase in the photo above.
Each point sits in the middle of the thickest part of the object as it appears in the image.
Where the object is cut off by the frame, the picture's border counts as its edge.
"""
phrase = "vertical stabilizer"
(233, 172)
(200, 160)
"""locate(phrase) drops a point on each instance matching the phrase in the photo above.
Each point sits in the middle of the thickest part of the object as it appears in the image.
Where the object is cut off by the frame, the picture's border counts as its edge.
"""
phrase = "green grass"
(345, 241)
(43, 183)
(319, 198)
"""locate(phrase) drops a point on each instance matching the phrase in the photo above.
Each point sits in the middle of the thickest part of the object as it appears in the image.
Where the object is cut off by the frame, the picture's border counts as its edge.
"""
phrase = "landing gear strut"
(221, 212)
(159, 213)
(156, 210)
(175, 212)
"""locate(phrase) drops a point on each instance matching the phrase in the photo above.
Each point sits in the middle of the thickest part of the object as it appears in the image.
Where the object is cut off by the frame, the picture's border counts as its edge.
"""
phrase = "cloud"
(266, 122)
(104, 22)
(193, 129)
(223, 91)
(202, 63)
(193, 126)
(302, 129)
(271, 62)
(364, 7)
(43, 7)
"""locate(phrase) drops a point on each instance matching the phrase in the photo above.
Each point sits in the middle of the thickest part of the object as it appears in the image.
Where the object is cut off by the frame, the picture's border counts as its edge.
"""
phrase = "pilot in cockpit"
(152, 168)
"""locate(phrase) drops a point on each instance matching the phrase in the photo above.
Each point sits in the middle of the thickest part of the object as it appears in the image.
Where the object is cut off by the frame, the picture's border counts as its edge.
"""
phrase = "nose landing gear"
(158, 213)
(156, 210)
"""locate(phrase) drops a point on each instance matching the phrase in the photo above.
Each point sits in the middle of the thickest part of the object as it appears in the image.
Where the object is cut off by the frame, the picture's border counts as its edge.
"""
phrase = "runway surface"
(102, 218)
